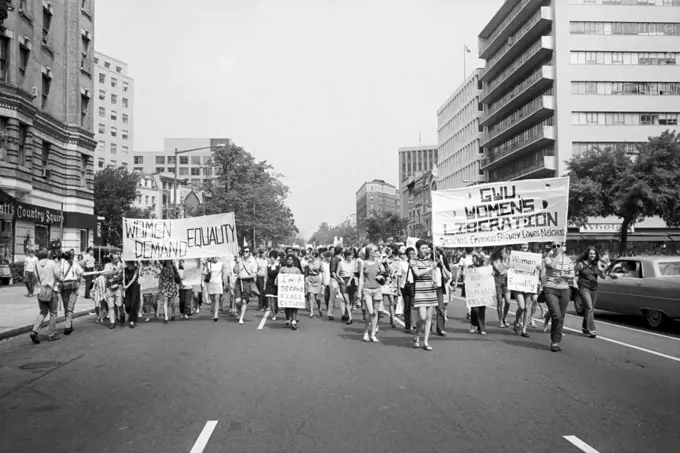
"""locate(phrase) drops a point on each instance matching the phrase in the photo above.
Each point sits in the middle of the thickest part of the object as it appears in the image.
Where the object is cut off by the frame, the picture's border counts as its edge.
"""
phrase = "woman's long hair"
(584, 256)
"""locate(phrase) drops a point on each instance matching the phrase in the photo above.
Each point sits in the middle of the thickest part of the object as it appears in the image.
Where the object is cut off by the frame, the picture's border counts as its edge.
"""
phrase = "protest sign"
(148, 277)
(173, 239)
(504, 213)
(411, 242)
(480, 287)
(291, 291)
(523, 272)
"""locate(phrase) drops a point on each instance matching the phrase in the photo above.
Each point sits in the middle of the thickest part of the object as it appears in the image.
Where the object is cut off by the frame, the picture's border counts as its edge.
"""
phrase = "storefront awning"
(649, 238)
(596, 237)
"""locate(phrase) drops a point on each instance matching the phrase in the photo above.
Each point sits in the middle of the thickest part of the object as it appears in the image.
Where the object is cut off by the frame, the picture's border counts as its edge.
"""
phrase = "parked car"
(642, 285)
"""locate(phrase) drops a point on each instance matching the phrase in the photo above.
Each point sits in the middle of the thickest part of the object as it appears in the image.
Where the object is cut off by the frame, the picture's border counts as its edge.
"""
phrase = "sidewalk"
(18, 312)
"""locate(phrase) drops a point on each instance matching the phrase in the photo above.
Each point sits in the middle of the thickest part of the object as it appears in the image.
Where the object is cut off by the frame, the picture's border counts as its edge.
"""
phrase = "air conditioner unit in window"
(34, 92)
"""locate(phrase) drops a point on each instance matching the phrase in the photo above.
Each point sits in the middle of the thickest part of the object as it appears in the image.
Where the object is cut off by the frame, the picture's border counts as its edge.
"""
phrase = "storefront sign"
(612, 228)
(196, 237)
(24, 211)
(502, 213)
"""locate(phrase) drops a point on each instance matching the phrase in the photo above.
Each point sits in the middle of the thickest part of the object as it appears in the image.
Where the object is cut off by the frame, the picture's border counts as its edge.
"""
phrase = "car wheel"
(655, 318)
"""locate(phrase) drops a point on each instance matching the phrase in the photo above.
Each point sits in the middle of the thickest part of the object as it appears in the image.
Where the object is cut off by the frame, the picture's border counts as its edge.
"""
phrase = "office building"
(413, 161)
(568, 75)
(375, 197)
(46, 127)
(114, 112)
(459, 135)
(196, 167)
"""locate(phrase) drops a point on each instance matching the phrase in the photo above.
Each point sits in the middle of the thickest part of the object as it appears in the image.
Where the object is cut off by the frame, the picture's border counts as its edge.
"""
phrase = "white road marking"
(620, 343)
(580, 444)
(264, 320)
(204, 437)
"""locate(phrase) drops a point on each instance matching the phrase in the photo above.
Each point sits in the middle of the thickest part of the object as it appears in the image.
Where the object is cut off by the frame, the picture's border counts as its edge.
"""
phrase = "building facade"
(195, 166)
(459, 135)
(156, 194)
(418, 194)
(46, 127)
(413, 161)
(114, 112)
(375, 197)
(568, 75)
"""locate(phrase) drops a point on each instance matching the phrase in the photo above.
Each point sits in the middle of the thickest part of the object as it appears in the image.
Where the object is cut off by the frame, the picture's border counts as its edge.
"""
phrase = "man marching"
(246, 272)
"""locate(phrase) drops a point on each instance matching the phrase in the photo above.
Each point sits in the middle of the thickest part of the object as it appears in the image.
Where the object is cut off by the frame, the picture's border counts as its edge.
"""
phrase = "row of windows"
(113, 147)
(113, 130)
(627, 2)
(114, 98)
(522, 166)
(524, 137)
(517, 115)
(114, 115)
(184, 172)
(624, 119)
(114, 82)
(183, 160)
(629, 147)
(632, 58)
(625, 28)
(107, 65)
(627, 88)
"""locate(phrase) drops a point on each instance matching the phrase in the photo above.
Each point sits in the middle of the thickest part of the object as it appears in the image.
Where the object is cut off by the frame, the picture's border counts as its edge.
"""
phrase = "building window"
(171, 160)
(114, 131)
(114, 82)
(84, 107)
(45, 156)
(100, 163)
(195, 160)
(125, 149)
(119, 69)
(183, 160)
(107, 65)
(83, 170)
(102, 78)
(124, 134)
(138, 169)
(207, 171)
(102, 94)
(195, 171)
(102, 112)
(46, 82)
(138, 160)
(184, 171)
(160, 170)
(23, 134)
(125, 102)
(114, 115)
(24, 55)
(125, 118)
(4, 58)
(102, 128)
(160, 160)
(113, 163)
(125, 86)
(84, 64)
(47, 22)
(114, 148)
(101, 145)
(114, 99)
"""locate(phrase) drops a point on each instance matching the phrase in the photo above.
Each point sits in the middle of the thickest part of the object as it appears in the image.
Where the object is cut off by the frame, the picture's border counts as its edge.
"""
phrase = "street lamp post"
(177, 153)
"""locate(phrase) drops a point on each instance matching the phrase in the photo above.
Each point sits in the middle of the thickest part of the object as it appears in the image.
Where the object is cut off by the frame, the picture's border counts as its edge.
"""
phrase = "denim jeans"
(69, 297)
(557, 301)
(478, 318)
(589, 298)
(29, 281)
(439, 312)
(45, 309)
(408, 307)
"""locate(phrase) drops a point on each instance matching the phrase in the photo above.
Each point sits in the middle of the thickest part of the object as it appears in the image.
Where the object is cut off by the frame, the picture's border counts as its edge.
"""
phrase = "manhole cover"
(39, 365)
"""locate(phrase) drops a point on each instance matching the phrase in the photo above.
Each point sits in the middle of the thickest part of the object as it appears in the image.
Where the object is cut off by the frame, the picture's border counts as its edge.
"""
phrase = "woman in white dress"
(214, 278)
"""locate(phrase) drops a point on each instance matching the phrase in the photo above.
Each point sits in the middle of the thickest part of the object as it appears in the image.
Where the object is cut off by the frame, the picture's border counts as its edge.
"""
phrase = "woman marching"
(271, 290)
(477, 314)
(425, 297)
(559, 275)
(500, 262)
(131, 292)
(291, 313)
(314, 284)
(345, 273)
(588, 269)
(167, 283)
(524, 304)
(371, 279)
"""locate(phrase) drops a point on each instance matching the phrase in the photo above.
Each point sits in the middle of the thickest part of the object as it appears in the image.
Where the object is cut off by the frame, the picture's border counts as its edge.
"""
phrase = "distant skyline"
(325, 91)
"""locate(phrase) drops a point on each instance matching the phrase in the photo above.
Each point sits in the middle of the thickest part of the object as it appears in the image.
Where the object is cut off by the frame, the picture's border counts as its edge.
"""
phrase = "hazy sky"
(324, 90)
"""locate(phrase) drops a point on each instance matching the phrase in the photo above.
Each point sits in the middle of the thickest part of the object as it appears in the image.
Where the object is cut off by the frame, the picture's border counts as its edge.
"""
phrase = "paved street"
(321, 388)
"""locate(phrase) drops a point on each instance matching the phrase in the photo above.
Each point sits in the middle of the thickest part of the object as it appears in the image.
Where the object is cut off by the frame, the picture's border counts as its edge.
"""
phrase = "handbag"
(46, 292)
(69, 285)
(207, 276)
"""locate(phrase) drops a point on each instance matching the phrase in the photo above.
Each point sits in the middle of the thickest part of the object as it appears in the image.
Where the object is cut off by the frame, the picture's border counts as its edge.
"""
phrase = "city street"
(196, 385)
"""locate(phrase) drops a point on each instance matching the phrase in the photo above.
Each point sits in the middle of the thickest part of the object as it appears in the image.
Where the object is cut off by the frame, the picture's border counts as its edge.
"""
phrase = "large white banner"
(174, 239)
(523, 272)
(503, 213)
(291, 291)
(480, 287)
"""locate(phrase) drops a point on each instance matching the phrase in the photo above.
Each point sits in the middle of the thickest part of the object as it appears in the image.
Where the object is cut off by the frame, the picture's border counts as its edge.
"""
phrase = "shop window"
(84, 239)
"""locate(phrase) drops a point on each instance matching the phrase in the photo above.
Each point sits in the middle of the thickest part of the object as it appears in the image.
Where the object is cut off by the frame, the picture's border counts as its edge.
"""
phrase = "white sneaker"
(366, 338)
(240, 321)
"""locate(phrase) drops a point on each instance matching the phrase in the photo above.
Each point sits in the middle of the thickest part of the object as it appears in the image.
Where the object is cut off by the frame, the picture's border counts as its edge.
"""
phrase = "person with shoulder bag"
(407, 287)
(71, 273)
(47, 276)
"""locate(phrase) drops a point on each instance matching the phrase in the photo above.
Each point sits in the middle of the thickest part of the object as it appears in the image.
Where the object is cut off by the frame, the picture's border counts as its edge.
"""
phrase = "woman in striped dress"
(425, 297)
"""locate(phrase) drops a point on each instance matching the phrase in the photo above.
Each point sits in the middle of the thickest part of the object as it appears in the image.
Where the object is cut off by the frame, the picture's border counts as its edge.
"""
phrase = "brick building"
(46, 125)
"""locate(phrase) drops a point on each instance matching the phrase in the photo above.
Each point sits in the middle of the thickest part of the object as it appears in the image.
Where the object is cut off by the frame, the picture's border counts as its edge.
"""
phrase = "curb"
(26, 329)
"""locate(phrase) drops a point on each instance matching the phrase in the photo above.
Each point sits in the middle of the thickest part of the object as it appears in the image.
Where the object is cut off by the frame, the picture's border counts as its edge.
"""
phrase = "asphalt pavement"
(200, 386)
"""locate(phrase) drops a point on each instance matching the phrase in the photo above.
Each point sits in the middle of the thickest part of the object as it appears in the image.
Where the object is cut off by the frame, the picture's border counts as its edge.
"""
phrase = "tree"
(325, 234)
(384, 225)
(254, 192)
(115, 189)
(610, 182)
(138, 213)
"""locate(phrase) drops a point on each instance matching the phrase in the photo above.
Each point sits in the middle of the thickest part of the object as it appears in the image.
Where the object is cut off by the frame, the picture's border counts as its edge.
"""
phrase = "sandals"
(416, 343)
(427, 347)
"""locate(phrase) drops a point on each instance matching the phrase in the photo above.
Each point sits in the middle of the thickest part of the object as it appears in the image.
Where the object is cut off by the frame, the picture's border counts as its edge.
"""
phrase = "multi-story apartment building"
(194, 166)
(459, 134)
(563, 76)
(114, 112)
(157, 194)
(377, 197)
(46, 126)
(413, 160)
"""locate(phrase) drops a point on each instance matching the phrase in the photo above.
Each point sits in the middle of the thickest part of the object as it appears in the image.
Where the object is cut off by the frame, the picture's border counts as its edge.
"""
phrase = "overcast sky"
(324, 90)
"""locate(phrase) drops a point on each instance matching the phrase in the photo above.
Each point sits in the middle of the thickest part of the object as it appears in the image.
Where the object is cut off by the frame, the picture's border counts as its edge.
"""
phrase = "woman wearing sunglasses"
(559, 275)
